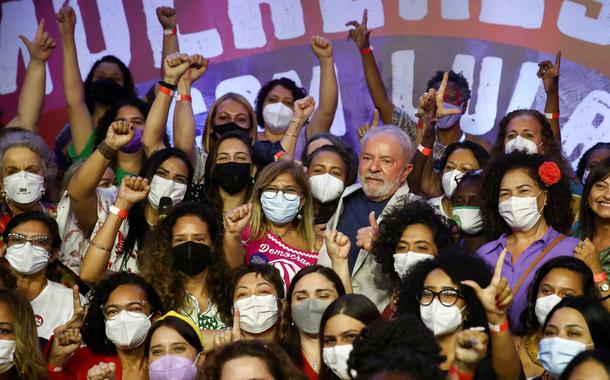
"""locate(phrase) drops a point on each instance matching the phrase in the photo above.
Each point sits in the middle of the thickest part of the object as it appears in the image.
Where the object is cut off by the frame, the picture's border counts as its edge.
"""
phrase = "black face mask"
(191, 258)
(221, 129)
(106, 91)
(233, 177)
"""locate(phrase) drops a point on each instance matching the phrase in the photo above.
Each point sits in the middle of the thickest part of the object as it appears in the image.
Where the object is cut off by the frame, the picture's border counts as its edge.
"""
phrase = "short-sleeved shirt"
(355, 215)
(490, 252)
(53, 307)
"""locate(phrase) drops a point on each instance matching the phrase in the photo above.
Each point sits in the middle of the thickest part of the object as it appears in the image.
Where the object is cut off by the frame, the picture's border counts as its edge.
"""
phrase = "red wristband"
(502, 327)
(367, 50)
(166, 91)
(453, 372)
(170, 32)
(425, 151)
(184, 98)
(118, 212)
(552, 116)
(278, 155)
(600, 277)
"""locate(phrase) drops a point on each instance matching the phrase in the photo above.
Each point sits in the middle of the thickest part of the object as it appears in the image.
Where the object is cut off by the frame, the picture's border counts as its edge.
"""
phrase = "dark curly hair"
(129, 88)
(477, 150)
(459, 265)
(558, 209)
(156, 260)
(586, 226)
(394, 224)
(584, 160)
(600, 356)
(94, 328)
(289, 84)
(528, 316)
(457, 78)
(110, 116)
(401, 345)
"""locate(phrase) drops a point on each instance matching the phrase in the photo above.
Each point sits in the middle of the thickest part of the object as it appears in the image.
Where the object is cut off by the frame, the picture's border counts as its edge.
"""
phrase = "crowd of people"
(273, 249)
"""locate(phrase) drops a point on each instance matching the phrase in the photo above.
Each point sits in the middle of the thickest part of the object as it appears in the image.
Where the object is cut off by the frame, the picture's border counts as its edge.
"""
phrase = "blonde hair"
(207, 140)
(304, 226)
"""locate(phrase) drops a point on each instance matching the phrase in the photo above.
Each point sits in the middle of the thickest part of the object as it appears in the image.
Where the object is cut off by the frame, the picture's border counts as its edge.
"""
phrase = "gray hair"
(398, 134)
(24, 138)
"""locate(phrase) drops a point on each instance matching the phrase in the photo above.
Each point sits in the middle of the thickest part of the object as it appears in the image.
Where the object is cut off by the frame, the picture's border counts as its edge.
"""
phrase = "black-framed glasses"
(112, 311)
(288, 194)
(17, 239)
(447, 297)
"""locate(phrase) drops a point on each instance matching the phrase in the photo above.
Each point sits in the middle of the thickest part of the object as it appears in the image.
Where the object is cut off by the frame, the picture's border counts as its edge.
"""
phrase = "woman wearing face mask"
(114, 329)
(408, 234)
(592, 364)
(165, 178)
(181, 259)
(20, 357)
(527, 202)
(558, 278)
(175, 349)
(458, 159)
(229, 173)
(27, 168)
(466, 210)
(574, 325)
(341, 323)
(276, 227)
(309, 294)
(592, 156)
(33, 243)
(330, 170)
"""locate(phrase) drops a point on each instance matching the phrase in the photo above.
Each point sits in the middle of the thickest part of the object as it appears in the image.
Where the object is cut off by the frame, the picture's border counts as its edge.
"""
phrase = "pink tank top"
(272, 250)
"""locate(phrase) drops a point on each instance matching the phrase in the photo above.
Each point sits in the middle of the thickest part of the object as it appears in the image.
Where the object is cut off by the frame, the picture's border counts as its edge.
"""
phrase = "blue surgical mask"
(278, 209)
(449, 121)
(556, 353)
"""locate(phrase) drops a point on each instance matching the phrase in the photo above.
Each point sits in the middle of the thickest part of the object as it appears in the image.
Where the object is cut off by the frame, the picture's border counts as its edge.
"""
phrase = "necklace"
(283, 235)
(532, 349)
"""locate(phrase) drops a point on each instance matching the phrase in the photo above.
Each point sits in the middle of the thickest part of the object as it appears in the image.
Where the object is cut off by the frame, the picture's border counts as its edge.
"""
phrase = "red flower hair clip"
(549, 173)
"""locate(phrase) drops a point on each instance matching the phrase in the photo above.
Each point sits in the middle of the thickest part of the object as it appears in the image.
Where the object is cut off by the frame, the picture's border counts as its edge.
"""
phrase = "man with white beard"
(384, 165)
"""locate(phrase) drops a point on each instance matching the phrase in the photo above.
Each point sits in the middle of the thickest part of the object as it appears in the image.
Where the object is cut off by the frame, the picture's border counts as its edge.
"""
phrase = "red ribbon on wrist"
(366, 50)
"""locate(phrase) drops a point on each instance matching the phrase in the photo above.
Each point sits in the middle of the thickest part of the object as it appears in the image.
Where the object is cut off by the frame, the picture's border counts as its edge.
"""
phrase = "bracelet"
(552, 116)
(291, 135)
(169, 86)
(296, 123)
(454, 371)
(170, 32)
(425, 151)
(184, 98)
(166, 91)
(107, 151)
(502, 327)
(600, 277)
(420, 124)
(366, 50)
(101, 248)
(118, 212)
(278, 155)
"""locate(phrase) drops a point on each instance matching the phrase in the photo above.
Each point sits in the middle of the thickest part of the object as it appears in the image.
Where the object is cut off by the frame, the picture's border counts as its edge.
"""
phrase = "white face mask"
(585, 175)
(128, 329)
(27, 258)
(450, 181)
(441, 319)
(257, 313)
(468, 218)
(556, 353)
(520, 213)
(544, 305)
(336, 359)
(109, 192)
(405, 261)
(277, 117)
(7, 355)
(522, 144)
(161, 187)
(325, 187)
(24, 187)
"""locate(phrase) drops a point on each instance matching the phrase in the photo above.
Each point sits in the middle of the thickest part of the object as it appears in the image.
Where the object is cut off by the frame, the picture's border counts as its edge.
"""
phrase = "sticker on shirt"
(39, 320)
(259, 258)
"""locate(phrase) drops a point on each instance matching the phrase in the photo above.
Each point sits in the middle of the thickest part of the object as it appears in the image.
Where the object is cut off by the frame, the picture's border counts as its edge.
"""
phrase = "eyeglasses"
(447, 297)
(112, 311)
(288, 194)
(16, 239)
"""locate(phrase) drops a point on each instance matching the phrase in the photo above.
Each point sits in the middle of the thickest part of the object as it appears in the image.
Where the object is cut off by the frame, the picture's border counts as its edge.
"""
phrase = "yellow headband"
(188, 320)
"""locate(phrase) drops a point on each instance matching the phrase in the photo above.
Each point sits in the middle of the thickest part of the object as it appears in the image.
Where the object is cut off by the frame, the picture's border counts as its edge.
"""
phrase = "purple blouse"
(491, 251)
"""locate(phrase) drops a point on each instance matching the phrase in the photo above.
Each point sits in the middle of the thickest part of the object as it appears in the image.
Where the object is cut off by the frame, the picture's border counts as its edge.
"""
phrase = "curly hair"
(477, 150)
(129, 88)
(396, 221)
(454, 77)
(289, 84)
(400, 345)
(94, 327)
(584, 159)
(459, 265)
(558, 209)
(156, 260)
(586, 227)
(528, 316)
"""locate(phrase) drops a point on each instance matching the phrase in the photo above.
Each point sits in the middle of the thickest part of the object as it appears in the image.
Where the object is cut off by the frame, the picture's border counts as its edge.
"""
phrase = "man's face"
(383, 167)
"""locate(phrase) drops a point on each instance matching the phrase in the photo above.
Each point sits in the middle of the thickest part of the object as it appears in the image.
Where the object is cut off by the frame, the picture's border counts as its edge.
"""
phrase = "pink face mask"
(172, 367)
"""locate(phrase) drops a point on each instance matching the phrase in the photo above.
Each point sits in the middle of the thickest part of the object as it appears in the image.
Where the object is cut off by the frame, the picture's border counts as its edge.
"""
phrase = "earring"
(252, 179)
(299, 217)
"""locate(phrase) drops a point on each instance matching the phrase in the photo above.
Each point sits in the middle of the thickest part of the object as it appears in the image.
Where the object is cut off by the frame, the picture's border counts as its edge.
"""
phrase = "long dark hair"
(181, 327)
(584, 160)
(138, 227)
(600, 172)
(290, 339)
(356, 306)
(129, 88)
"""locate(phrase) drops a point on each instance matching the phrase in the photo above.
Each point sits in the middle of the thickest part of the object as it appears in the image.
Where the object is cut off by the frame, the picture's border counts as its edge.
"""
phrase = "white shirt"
(53, 307)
